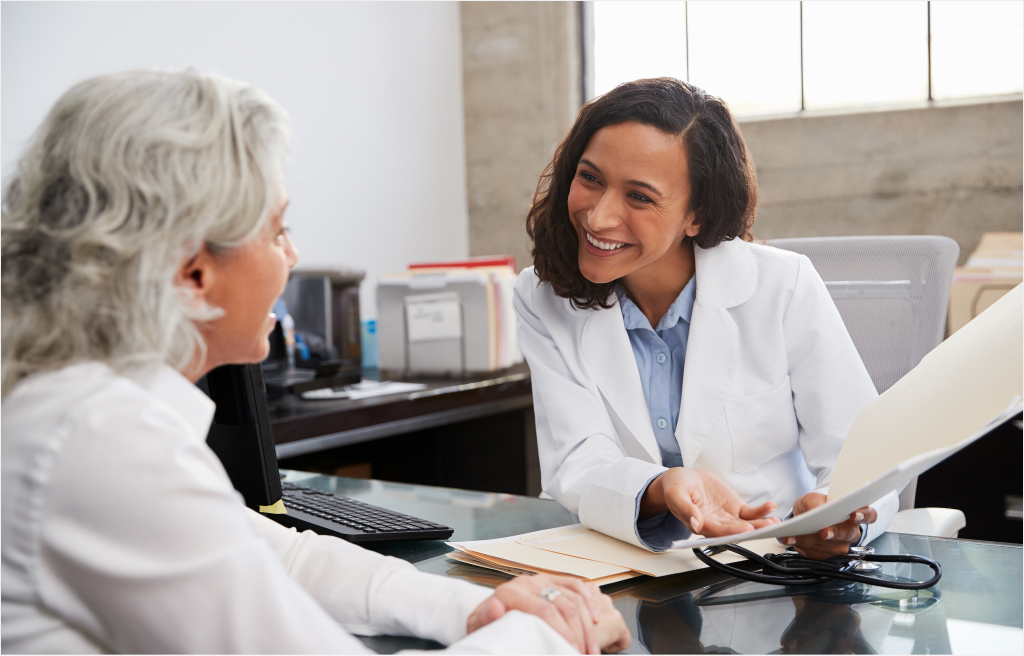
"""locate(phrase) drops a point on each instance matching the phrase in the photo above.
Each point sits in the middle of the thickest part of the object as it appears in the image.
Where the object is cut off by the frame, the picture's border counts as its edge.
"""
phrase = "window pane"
(633, 40)
(859, 53)
(748, 53)
(977, 48)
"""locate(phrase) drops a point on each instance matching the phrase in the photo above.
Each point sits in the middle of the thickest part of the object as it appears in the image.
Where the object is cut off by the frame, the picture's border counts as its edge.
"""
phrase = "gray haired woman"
(144, 243)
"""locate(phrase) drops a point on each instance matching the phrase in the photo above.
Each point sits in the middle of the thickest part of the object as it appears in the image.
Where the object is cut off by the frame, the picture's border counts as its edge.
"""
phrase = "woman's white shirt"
(122, 532)
(772, 384)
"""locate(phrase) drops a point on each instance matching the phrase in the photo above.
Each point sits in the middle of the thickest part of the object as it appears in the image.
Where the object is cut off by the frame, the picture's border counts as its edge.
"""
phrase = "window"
(786, 56)
(723, 37)
(976, 48)
(858, 54)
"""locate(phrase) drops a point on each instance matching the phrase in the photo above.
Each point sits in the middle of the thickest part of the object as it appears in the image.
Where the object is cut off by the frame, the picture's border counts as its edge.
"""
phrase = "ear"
(196, 277)
(696, 220)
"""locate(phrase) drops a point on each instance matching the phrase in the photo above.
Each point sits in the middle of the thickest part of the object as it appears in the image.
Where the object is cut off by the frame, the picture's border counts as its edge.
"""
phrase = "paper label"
(430, 317)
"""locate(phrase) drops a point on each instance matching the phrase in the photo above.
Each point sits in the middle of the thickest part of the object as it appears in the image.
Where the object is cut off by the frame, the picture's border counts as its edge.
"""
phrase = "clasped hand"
(580, 612)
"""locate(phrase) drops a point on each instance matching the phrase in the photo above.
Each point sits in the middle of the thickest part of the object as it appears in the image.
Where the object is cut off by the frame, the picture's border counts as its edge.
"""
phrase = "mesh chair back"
(893, 295)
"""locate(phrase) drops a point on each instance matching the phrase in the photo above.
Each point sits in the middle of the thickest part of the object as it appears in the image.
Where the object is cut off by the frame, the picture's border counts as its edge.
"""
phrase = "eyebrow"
(638, 183)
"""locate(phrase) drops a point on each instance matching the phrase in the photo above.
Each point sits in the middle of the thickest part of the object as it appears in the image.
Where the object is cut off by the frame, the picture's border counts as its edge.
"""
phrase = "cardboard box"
(994, 268)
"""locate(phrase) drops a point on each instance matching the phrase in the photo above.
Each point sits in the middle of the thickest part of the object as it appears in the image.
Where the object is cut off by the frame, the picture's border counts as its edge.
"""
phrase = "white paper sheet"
(959, 391)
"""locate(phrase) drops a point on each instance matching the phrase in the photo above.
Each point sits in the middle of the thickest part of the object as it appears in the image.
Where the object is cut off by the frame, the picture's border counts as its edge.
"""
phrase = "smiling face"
(629, 203)
(244, 282)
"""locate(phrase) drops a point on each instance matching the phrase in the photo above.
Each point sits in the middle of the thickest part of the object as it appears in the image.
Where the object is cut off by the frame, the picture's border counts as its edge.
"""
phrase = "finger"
(840, 533)
(756, 512)
(485, 613)
(857, 516)
(585, 590)
(613, 635)
(865, 515)
(577, 615)
(811, 546)
(714, 527)
(679, 503)
(766, 522)
(808, 501)
(526, 599)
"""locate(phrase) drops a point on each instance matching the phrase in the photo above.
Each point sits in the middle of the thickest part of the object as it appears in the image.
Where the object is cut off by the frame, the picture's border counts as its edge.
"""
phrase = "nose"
(606, 214)
(290, 251)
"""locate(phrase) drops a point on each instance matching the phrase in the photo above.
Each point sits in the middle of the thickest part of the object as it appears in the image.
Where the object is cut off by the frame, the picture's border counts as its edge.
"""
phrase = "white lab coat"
(771, 385)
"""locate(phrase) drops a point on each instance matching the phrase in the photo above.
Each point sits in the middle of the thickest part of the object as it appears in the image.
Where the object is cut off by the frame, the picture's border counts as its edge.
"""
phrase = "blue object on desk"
(369, 343)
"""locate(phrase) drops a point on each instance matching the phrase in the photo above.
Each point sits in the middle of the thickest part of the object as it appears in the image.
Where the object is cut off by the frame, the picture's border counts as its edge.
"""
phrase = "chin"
(596, 274)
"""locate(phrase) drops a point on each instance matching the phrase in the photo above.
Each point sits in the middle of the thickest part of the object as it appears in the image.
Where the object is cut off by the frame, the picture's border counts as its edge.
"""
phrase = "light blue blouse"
(660, 355)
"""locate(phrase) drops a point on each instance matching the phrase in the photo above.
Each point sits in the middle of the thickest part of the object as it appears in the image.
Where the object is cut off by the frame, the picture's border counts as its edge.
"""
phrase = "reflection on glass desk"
(977, 607)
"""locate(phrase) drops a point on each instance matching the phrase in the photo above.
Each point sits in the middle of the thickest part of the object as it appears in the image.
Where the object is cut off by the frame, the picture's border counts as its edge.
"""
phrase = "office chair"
(893, 295)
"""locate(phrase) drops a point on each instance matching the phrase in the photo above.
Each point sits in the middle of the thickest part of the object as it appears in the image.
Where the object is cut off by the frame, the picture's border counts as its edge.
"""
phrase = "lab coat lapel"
(726, 277)
(609, 356)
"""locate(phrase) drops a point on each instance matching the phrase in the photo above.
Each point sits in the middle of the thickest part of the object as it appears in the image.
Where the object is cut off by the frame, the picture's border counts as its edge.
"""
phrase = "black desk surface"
(306, 426)
(977, 607)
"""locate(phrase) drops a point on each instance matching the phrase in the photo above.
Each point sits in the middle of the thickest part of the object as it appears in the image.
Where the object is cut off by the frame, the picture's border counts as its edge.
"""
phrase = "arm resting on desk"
(369, 594)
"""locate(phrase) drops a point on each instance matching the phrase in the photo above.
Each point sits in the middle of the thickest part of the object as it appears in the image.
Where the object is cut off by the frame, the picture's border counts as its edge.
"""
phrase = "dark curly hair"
(723, 185)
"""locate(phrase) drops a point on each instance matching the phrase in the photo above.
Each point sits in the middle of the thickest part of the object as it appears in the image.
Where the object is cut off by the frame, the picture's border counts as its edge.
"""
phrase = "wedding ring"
(550, 594)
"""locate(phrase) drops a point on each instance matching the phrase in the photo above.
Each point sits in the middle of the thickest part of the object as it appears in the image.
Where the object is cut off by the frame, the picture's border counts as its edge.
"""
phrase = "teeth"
(603, 245)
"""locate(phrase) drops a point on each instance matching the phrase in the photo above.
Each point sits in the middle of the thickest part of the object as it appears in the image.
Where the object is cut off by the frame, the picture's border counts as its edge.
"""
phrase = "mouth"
(602, 248)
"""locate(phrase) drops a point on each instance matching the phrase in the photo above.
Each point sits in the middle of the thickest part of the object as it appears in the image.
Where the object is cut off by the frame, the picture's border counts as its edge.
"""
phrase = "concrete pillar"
(522, 90)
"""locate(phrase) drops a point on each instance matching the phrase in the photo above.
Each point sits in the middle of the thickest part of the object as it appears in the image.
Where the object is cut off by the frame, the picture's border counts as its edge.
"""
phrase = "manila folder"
(957, 393)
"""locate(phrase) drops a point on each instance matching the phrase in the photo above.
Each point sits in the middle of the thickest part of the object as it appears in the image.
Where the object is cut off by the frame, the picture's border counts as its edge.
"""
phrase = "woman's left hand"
(833, 540)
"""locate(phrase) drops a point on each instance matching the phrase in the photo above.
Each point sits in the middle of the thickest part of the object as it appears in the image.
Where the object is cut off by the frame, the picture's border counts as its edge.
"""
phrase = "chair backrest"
(893, 295)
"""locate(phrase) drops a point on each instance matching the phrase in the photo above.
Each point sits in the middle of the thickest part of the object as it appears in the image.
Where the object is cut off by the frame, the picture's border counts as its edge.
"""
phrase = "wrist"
(653, 501)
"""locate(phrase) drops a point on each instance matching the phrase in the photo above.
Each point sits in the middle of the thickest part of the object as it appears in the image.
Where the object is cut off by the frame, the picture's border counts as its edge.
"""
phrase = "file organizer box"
(450, 322)
(434, 323)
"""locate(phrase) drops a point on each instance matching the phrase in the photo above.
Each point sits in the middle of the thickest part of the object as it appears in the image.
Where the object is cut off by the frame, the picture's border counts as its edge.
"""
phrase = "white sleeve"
(829, 381)
(389, 596)
(582, 467)
(380, 594)
(145, 547)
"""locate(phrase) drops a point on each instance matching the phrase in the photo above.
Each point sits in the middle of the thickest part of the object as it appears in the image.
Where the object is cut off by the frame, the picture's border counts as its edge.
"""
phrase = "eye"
(640, 198)
(280, 237)
(588, 177)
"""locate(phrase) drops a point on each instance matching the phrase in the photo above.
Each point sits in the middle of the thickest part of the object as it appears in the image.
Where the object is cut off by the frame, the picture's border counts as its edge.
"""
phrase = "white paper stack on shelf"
(448, 317)
(582, 553)
(966, 386)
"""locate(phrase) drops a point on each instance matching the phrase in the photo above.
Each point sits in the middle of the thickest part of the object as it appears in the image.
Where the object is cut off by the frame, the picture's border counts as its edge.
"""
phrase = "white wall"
(377, 176)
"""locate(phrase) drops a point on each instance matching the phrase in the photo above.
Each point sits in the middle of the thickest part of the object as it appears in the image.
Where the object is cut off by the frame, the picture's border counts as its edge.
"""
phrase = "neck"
(656, 286)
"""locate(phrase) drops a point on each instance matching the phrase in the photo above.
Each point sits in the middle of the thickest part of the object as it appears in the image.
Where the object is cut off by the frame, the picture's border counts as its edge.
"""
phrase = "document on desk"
(582, 542)
(510, 553)
(966, 386)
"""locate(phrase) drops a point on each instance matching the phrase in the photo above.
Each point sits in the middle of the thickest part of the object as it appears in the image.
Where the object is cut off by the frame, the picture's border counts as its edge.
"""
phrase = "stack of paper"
(579, 552)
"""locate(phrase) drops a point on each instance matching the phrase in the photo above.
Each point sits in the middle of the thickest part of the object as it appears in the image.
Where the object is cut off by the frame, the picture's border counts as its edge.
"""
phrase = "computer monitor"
(240, 434)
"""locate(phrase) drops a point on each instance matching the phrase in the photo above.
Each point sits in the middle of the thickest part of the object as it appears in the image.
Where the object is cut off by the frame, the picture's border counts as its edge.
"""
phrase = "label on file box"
(430, 317)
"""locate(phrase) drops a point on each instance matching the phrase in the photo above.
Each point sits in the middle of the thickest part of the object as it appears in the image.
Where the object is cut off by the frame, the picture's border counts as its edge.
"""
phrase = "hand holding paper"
(832, 540)
(703, 502)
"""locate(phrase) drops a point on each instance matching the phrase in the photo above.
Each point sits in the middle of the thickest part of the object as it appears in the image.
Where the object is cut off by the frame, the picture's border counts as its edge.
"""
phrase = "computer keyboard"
(350, 519)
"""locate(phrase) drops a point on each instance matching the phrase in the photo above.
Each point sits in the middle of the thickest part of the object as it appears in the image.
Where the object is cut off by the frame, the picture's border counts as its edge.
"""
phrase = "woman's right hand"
(704, 503)
(580, 612)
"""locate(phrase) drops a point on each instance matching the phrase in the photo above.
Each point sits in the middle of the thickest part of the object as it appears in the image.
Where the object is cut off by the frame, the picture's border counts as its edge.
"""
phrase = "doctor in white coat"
(685, 379)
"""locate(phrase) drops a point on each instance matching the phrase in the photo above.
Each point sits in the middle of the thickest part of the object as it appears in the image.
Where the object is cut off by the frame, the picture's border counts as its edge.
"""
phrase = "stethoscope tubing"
(799, 571)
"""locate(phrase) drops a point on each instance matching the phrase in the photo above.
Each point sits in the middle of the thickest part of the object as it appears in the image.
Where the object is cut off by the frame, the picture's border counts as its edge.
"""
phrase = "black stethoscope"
(791, 569)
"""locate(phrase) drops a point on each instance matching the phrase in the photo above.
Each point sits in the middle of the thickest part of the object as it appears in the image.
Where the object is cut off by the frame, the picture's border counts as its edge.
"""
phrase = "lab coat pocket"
(761, 426)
